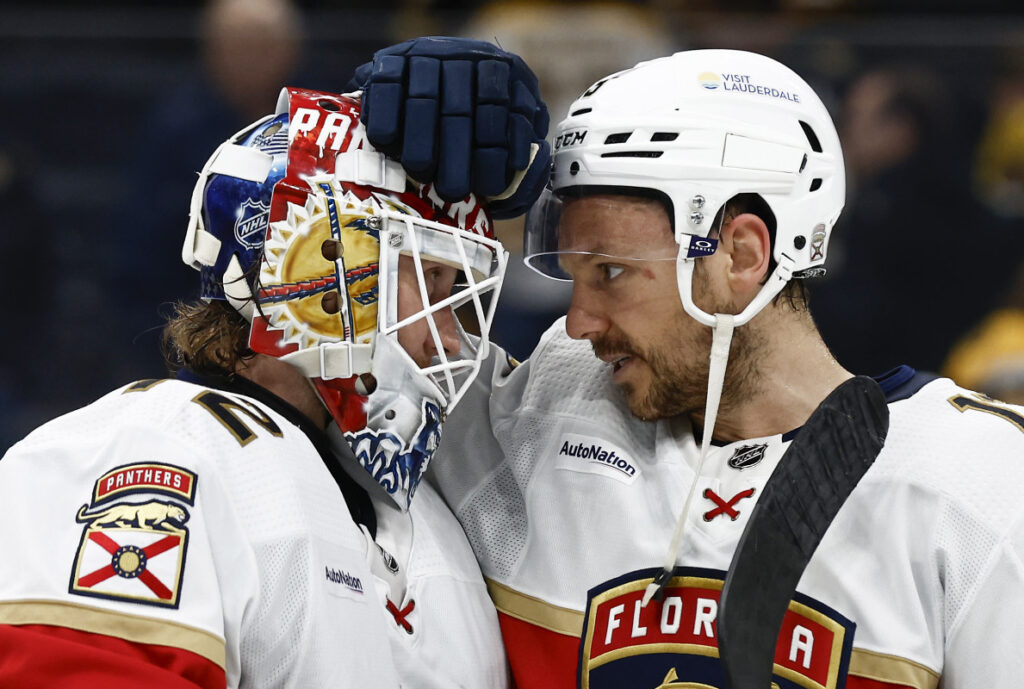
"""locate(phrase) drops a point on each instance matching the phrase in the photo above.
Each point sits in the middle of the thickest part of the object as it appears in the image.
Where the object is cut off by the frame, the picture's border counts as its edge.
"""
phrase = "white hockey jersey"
(189, 536)
(570, 503)
(443, 627)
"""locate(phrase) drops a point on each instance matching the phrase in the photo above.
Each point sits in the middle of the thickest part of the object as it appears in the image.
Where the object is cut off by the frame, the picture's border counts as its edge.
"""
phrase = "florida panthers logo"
(395, 465)
(157, 515)
(134, 550)
(673, 643)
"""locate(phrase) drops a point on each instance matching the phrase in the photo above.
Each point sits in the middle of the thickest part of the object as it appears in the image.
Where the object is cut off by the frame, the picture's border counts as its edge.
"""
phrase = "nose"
(444, 319)
(585, 320)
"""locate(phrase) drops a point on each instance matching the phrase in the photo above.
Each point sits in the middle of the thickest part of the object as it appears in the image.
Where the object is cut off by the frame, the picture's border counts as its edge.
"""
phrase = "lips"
(618, 354)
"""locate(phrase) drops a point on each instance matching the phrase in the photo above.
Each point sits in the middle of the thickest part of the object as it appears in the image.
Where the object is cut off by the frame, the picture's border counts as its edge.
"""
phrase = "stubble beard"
(679, 371)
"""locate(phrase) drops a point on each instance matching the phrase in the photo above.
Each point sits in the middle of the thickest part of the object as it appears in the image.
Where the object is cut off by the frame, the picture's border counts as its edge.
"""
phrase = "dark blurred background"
(109, 111)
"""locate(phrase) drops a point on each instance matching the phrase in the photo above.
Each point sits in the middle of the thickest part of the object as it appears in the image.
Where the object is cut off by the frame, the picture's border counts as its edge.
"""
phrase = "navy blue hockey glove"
(463, 114)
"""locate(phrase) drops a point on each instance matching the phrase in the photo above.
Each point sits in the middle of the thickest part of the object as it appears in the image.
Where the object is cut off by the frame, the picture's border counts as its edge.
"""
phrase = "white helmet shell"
(702, 126)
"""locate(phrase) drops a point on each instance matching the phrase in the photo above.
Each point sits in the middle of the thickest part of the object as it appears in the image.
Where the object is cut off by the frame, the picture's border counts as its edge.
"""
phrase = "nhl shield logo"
(251, 226)
(747, 456)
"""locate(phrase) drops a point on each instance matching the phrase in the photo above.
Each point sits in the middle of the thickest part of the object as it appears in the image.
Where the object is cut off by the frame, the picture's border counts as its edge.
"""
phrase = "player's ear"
(747, 241)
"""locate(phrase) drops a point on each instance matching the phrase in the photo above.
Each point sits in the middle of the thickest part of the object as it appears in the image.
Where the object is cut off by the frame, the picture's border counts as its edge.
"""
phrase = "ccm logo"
(570, 138)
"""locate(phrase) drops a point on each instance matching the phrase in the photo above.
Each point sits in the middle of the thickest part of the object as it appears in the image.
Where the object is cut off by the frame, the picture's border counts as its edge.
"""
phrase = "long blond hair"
(206, 337)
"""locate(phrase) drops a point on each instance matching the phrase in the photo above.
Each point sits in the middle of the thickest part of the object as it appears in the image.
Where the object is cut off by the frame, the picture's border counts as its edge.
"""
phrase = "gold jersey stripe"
(133, 628)
(893, 669)
(535, 611)
(867, 664)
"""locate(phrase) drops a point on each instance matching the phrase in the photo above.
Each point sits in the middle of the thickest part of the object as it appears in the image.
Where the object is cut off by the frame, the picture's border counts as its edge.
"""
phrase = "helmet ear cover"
(300, 229)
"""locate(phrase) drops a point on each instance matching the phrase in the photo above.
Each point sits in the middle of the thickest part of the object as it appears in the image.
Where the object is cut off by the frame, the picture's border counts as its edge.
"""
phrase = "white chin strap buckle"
(332, 360)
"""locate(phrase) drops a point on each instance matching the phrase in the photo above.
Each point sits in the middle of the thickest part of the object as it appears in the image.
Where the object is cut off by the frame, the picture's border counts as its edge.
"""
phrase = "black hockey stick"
(812, 481)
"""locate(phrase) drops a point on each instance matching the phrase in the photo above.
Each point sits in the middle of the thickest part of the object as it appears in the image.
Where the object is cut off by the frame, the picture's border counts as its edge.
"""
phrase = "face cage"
(423, 239)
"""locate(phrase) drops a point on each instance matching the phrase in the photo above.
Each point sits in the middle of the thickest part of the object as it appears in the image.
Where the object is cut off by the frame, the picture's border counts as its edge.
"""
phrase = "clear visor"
(453, 276)
(550, 245)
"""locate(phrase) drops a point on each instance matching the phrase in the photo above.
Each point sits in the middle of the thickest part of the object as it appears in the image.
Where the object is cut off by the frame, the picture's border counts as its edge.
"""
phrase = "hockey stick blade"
(818, 471)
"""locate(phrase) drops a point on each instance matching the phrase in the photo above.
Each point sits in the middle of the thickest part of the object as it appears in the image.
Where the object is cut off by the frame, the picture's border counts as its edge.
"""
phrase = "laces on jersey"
(721, 339)
(401, 616)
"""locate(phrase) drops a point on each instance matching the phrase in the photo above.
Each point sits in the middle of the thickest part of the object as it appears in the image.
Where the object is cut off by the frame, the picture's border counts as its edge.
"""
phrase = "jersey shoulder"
(244, 455)
(943, 419)
(565, 384)
(563, 372)
(959, 444)
(158, 409)
(441, 548)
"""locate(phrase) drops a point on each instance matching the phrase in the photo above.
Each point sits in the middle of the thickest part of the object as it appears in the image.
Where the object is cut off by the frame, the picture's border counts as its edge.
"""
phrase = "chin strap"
(333, 360)
(722, 326)
(721, 338)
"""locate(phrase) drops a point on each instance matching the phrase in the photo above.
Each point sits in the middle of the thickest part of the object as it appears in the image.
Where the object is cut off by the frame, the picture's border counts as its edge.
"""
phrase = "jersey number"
(228, 411)
(963, 403)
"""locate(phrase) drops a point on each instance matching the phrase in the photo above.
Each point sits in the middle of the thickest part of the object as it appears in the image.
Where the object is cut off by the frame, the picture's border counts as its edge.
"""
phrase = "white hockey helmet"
(696, 129)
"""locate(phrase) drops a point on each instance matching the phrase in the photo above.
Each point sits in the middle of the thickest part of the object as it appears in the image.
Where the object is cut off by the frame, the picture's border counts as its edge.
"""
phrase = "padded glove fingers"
(463, 114)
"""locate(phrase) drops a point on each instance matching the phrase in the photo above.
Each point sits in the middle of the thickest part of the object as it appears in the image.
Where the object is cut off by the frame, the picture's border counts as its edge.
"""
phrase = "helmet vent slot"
(815, 184)
(619, 138)
(812, 138)
(581, 111)
(664, 136)
(633, 154)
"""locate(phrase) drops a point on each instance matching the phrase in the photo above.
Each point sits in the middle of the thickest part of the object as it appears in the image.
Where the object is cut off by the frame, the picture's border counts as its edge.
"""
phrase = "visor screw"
(697, 202)
(799, 241)
(696, 218)
(389, 415)
(374, 222)
(574, 168)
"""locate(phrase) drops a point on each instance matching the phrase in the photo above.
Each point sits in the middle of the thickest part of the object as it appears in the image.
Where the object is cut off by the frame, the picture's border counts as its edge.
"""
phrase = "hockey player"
(691, 197)
(206, 531)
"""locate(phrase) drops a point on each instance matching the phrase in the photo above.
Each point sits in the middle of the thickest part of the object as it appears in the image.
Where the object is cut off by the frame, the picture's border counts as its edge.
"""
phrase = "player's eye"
(610, 271)
(442, 282)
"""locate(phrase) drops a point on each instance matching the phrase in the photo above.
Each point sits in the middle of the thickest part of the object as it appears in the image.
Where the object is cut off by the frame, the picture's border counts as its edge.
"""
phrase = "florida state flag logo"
(673, 643)
(134, 551)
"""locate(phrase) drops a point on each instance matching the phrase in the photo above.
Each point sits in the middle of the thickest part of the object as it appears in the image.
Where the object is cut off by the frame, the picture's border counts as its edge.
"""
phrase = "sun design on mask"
(296, 278)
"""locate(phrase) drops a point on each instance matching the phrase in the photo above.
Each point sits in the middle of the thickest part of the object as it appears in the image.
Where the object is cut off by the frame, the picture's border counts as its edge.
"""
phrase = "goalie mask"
(300, 224)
